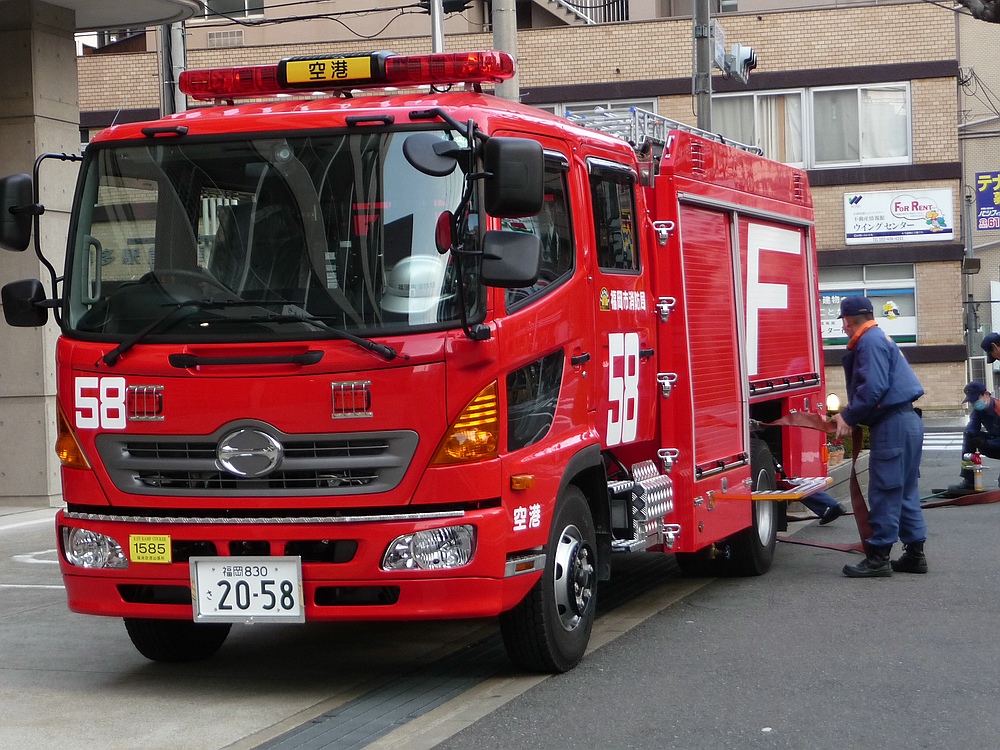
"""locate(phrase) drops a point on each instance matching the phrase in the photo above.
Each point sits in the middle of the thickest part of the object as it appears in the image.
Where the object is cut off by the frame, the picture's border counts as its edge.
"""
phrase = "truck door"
(624, 307)
(712, 299)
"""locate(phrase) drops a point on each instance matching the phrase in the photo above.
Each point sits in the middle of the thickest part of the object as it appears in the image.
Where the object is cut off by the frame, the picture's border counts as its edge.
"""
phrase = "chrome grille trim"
(283, 520)
(140, 396)
(333, 464)
(352, 389)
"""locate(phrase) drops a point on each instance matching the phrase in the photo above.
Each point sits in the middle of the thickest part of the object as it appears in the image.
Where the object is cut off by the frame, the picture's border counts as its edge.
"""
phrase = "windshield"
(264, 235)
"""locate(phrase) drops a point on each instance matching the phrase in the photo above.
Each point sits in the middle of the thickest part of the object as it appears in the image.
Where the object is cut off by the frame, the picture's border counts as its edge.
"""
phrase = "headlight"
(88, 549)
(433, 549)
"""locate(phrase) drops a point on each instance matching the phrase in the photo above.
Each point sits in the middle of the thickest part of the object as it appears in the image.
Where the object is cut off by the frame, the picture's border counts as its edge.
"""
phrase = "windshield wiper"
(112, 357)
(383, 350)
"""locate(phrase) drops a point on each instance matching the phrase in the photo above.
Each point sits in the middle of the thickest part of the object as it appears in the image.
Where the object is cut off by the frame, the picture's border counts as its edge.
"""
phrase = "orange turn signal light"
(475, 435)
(67, 446)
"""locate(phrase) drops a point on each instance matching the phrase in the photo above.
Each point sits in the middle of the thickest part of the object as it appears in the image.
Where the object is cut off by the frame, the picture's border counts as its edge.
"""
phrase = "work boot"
(912, 560)
(831, 514)
(964, 487)
(875, 565)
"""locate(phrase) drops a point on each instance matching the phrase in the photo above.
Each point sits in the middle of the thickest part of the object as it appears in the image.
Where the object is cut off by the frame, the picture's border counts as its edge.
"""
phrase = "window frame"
(869, 286)
(558, 164)
(862, 161)
(756, 95)
(808, 146)
(619, 174)
(207, 14)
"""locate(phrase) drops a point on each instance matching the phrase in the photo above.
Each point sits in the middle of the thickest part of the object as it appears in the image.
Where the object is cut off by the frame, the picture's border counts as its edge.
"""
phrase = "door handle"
(580, 359)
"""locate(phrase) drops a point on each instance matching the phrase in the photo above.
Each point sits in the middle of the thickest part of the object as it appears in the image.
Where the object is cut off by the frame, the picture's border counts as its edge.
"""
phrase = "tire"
(548, 631)
(176, 641)
(752, 550)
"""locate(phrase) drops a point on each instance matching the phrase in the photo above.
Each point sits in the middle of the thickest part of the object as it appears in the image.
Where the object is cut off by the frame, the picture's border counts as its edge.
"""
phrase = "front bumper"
(341, 574)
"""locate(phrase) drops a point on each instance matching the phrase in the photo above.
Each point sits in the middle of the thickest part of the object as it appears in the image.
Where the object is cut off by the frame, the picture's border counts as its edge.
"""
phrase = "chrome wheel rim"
(573, 578)
(764, 513)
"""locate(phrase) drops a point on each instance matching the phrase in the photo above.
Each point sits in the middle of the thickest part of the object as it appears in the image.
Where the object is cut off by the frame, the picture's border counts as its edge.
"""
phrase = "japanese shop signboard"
(898, 216)
(987, 187)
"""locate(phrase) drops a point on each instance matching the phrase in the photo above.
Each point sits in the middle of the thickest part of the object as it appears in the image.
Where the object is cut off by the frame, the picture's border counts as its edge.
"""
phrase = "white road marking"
(30, 586)
(21, 524)
(33, 558)
(943, 441)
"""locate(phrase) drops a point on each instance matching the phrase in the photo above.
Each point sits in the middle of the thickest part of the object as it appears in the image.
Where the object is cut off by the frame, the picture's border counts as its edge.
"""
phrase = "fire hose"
(859, 505)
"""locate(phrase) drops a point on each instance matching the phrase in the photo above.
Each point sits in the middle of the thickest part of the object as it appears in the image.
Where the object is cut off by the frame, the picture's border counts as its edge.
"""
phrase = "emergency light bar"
(358, 70)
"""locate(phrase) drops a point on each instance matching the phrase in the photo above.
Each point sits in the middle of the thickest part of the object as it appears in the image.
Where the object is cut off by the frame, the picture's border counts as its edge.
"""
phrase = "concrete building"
(39, 113)
(979, 143)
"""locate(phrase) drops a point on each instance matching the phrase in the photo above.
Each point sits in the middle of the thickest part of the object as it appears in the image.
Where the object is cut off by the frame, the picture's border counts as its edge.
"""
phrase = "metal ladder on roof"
(642, 128)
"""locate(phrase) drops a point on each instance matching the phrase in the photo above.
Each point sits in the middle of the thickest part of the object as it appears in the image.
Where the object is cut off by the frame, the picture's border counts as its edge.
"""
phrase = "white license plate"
(238, 589)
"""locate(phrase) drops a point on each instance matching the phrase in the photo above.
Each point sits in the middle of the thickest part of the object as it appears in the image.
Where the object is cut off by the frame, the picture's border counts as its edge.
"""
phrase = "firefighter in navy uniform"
(982, 433)
(881, 389)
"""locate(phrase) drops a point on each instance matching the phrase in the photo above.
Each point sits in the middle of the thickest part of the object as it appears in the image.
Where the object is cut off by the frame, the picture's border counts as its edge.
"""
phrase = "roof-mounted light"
(231, 83)
(348, 71)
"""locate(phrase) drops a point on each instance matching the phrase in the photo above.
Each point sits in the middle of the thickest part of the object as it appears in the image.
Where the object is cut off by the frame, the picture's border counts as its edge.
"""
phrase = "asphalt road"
(800, 658)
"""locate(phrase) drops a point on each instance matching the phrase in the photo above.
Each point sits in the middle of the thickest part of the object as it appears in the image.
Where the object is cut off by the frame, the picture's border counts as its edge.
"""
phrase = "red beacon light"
(348, 71)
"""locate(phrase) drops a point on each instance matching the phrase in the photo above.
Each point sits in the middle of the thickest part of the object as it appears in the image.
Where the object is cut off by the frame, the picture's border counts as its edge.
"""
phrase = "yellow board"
(149, 548)
(327, 70)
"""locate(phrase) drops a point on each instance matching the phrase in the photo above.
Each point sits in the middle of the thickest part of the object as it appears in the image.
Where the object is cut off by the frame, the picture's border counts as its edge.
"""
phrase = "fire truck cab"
(385, 356)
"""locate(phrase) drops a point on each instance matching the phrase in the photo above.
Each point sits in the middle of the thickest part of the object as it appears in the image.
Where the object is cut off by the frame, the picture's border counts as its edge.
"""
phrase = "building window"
(213, 9)
(772, 122)
(864, 125)
(843, 126)
(890, 287)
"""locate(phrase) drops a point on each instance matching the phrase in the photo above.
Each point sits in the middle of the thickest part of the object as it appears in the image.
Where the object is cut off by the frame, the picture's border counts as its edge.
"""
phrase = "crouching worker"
(982, 433)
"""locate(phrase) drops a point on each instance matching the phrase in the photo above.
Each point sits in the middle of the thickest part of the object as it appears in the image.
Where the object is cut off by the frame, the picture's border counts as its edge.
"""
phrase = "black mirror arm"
(36, 210)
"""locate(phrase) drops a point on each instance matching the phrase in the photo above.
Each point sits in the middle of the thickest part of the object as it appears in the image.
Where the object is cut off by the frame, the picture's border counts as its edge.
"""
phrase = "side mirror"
(22, 306)
(516, 184)
(431, 154)
(511, 259)
(15, 228)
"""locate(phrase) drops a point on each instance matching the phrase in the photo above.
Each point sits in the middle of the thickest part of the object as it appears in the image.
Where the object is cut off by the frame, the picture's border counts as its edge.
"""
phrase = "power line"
(401, 10)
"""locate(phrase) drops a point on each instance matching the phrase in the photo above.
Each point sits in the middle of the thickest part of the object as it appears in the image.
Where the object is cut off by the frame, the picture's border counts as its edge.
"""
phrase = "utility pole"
(505, 40)
(173, 59)
(436, 8)
(703, 56)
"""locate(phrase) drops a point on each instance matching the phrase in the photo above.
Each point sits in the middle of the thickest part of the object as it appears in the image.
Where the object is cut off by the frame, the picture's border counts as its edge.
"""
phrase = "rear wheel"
(176, 640)
(548, 631)
(753, 549)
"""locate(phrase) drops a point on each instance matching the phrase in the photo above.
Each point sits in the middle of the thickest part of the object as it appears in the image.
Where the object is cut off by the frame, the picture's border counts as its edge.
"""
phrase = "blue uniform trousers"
(819, 502)
(893, 470)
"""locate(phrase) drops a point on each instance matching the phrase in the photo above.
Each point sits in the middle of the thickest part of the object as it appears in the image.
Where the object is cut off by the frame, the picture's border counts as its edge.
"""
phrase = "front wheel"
(548, 631)
(176, 641)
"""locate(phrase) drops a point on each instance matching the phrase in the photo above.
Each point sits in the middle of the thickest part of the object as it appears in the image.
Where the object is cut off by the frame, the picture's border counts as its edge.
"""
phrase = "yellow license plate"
(149, 548)
(326, 70)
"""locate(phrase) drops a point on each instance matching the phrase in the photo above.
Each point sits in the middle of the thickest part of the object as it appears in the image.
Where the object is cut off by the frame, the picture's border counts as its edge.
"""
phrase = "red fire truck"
(397, 356)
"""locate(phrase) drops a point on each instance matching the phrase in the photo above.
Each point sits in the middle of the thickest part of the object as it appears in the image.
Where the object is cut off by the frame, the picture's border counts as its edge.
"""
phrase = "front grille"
(342, 464)
(279, 480)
